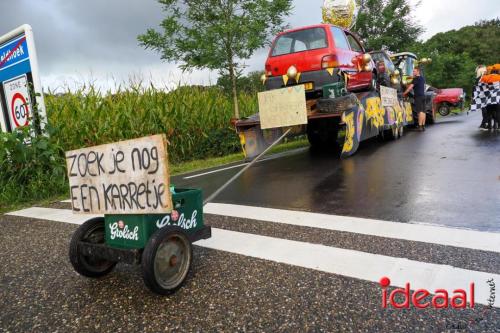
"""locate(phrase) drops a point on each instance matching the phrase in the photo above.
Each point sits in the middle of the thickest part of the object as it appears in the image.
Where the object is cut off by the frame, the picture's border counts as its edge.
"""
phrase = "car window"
(283, 45)
(339, 39)
(354, 44)
(389, 64)
(302, 40)
(407, 66)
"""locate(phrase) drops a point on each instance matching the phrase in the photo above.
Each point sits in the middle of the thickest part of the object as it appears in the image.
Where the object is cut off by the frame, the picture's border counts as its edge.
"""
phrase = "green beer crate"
(334, 90)
(133, 231)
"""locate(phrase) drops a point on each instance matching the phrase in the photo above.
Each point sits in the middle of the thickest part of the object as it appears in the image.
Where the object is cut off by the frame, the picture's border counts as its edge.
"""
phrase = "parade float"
(345, 100)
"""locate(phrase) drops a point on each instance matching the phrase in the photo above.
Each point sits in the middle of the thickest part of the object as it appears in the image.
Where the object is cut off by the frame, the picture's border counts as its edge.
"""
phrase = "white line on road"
(350, 263)
(271, 157)
(51, 214)
(470, 239)
(215, 171)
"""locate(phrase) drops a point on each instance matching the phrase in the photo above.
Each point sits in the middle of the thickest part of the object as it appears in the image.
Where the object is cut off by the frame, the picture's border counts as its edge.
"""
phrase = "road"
(299, 243)
(448, 175)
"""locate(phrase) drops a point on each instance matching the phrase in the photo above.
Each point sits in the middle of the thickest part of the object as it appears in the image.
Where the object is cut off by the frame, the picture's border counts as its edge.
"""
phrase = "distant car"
(446, 99)
(388, 74)
(314, 55)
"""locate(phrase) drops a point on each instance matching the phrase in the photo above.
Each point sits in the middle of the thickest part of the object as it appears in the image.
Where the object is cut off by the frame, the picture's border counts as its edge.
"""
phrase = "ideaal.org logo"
(404, 298)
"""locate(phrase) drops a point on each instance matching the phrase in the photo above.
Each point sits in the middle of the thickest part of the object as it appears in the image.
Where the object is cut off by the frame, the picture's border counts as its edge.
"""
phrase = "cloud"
(82, 40)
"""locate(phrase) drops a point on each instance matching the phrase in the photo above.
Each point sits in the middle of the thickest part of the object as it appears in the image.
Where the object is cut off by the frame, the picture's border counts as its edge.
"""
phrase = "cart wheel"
(91, 231)
(166, 260)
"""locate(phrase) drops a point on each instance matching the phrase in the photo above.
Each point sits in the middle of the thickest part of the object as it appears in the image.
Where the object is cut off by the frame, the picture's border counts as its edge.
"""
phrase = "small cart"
(160, 243)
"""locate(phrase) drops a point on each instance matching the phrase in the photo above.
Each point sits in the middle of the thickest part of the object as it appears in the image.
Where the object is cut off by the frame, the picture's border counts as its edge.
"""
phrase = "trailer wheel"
(401, 131)
(91, 231)
(323, 133)
(391, 134)
(166, 260)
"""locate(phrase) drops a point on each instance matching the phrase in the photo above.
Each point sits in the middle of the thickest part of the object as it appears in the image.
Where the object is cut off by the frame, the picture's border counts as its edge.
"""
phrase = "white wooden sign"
(127, 177)
(389, 96)
(283, 107)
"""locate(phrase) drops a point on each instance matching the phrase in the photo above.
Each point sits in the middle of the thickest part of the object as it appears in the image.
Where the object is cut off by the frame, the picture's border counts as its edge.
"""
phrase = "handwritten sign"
(127, 177)
(283, 107)
(389, 96)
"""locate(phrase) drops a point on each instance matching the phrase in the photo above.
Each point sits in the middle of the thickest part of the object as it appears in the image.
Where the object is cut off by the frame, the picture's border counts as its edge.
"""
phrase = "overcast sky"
(82, 40)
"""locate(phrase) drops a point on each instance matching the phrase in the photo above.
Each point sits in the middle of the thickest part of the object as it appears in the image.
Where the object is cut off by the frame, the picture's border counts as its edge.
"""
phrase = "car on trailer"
(318, 56)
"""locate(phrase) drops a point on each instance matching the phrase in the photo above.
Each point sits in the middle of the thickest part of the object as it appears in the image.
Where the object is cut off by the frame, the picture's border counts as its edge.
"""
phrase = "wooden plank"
(127, 177)
(283, 107)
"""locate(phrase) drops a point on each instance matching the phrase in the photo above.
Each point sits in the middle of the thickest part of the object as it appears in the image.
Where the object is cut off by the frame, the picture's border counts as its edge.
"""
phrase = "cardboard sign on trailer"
(127, 177)
(283, 107)
(20, 83)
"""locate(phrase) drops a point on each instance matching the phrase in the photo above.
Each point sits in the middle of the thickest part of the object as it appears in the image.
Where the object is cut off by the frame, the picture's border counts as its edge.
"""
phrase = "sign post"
(20, 86)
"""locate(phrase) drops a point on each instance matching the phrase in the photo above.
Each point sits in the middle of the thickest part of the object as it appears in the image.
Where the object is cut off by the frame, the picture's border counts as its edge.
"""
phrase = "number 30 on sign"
(18, 101)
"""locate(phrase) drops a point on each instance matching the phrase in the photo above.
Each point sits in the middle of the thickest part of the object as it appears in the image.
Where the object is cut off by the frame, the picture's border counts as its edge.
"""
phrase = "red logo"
(419, 298)
(121, 225)
(175, 215)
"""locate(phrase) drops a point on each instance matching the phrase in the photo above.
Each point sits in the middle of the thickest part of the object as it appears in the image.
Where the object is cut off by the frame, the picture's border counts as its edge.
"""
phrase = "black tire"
(323, 133)
(429, 118)
(401, 131)
(161, 276)
(444, 110)
(91, 231)
(391, 134)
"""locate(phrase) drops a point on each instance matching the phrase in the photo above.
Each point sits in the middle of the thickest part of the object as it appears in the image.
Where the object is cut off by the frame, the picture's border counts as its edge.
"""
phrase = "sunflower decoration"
(492, 74)
(342, 13)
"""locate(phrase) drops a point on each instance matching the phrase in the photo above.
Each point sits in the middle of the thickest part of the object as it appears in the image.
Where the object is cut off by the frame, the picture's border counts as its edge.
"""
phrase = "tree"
(250, 83)
(387, 24)
(456, 53)
(216, 34)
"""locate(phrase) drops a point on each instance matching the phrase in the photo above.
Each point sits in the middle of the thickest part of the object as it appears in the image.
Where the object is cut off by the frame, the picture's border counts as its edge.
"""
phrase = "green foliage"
(196, 120)
(387, 24)
(250, 83)
(29, 171)
(215, 34)
(456, 53)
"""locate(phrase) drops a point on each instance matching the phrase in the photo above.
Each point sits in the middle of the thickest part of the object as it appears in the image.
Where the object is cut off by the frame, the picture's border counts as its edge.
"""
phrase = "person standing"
(480, 71)
(418, 87)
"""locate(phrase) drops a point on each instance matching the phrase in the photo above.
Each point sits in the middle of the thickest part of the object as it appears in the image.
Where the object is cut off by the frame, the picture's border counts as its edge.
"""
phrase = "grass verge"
(175, 169)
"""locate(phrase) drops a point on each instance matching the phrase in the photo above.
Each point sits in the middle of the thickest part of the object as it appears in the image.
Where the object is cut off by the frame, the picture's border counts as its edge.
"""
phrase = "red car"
(446, 99)
(314, 55)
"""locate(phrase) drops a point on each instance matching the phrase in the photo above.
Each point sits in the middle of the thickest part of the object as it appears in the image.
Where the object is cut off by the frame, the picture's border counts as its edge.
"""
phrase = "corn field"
(196, 120)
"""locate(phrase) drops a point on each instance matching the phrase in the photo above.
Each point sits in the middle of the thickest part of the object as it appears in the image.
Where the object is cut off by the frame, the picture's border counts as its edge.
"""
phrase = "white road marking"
(271, 157)
(51, 214)
(67, 201)
(349, 263)
(477, 240)
(215, 171)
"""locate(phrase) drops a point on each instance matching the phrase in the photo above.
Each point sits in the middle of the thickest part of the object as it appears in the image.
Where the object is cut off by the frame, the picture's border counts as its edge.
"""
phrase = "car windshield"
(298, 41)
(377, 56)
(407, 66)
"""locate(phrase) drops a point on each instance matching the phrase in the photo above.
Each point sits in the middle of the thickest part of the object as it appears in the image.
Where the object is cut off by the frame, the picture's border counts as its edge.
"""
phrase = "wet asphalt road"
(449, 175)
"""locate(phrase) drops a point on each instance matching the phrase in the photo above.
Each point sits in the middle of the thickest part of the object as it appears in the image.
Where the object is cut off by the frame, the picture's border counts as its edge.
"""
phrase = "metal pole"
(223, 187)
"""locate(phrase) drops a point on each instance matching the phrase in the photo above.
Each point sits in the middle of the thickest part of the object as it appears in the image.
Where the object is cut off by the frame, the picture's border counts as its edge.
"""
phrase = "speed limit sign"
(18, 101)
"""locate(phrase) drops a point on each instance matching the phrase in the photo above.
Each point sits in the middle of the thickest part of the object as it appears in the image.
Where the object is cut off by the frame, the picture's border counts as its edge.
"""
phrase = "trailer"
(341, 120)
